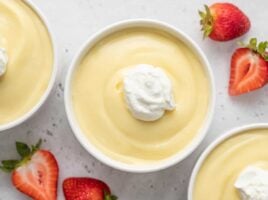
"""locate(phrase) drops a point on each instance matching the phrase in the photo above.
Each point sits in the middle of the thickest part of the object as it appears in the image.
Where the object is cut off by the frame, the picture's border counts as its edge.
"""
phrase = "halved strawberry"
(35, 174)
(86, 189)
(248, 68)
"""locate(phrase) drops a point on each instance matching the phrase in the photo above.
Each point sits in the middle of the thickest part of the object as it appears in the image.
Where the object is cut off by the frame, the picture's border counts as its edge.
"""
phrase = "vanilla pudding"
(236, 169)
(26, 59)
(99, 100)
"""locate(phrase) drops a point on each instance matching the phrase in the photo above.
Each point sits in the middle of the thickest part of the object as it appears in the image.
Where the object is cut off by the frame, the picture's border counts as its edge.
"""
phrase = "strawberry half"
(249, 69)
(223, 22)
(35, 174)
(86, 189)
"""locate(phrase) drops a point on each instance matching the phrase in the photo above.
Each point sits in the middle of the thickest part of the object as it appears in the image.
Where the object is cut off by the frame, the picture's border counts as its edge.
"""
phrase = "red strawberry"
(223, 22)
(35, 174)
(249, 69)
(86, 189)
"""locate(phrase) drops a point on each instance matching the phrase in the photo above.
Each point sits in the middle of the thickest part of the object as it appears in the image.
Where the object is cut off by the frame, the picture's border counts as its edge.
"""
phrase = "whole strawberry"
(249, 69)
(35, 174)
(223, 22)
(86, 189)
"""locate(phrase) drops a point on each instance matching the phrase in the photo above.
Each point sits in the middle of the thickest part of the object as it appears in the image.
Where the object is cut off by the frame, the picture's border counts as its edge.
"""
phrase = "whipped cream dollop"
(252, 184)
(3, 61)
(148, 92)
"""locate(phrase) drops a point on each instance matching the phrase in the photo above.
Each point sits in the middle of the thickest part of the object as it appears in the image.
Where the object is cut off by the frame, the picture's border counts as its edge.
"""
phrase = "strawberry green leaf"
(266, 57)
(7, 170)
(10, 163)
(23, 149)
(207, 10)
(37, 146)
(260, 48)
(201, 14)
(109, 196)
(206, 21)
(114, 197)
(253, 44)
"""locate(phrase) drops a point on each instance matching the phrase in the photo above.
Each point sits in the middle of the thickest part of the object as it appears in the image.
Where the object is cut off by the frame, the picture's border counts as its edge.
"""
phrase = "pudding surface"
(100, 108)
(220, 170)
(26, 39)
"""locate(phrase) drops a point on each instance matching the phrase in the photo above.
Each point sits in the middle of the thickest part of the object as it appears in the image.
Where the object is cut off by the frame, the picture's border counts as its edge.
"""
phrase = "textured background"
(73, 21)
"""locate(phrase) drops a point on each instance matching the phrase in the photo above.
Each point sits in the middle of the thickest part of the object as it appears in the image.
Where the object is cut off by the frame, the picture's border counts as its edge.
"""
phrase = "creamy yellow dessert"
(218, 177)
(27, 44)
(101, 110)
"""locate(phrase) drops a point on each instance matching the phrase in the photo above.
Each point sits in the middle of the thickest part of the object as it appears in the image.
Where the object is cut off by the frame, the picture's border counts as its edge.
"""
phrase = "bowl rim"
(225, 136)
(148, 23)
(52, 80)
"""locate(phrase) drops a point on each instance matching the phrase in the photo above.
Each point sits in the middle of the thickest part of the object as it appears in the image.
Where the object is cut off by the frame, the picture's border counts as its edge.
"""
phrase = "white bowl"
(81, 136)
(212, 146)
(52, 78)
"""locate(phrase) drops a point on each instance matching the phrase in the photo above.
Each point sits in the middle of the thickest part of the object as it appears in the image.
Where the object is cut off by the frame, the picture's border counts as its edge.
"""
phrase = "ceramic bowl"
(71, 116)
(31, 112)
(212, 146)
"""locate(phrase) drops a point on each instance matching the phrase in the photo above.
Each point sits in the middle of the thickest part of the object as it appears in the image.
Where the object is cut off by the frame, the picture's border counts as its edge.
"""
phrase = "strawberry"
(35, 174)
(223, 22)
(86, 189)
(249, 69)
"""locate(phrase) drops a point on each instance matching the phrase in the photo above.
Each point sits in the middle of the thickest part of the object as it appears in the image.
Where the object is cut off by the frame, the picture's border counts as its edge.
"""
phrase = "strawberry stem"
(206, 21)
(109, 196)
(25, 153)
(257, 48)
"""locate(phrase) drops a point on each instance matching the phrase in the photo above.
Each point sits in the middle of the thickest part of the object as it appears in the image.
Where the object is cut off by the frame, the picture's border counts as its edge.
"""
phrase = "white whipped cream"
(148, 92)
(3, 61)
(252, 184)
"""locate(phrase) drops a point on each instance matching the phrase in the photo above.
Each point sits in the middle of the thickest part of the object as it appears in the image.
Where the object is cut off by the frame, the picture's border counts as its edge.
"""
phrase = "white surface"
(73, 21)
